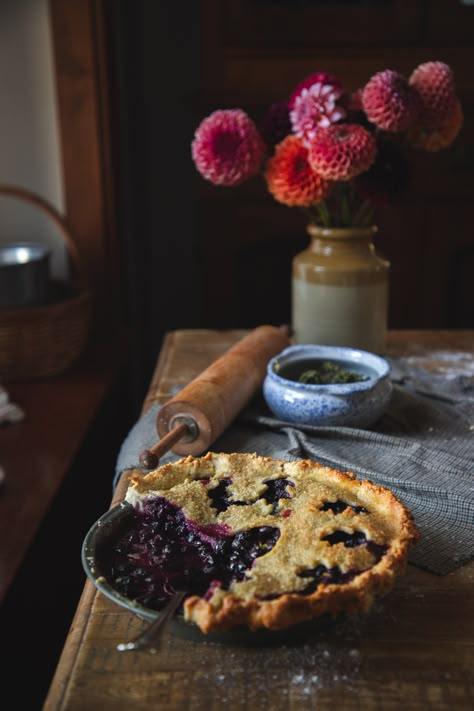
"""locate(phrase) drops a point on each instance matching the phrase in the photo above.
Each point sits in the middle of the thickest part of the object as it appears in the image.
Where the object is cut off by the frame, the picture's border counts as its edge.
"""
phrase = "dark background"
(196, 255)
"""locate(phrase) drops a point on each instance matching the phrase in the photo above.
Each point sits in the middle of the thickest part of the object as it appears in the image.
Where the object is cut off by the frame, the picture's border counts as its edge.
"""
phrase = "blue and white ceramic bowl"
(352, 404)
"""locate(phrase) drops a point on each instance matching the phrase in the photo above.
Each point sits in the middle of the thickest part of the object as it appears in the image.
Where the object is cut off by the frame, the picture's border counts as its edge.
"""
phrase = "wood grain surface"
(414, 650)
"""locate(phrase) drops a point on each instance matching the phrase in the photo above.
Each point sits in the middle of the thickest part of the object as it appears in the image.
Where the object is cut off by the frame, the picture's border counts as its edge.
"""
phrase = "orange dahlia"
(390, 102)
(434, 134)
(342, 151)
(289, 176)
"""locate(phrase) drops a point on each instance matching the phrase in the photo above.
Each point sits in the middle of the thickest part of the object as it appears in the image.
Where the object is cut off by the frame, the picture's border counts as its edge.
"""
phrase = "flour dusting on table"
(246, 677)
(448, 363)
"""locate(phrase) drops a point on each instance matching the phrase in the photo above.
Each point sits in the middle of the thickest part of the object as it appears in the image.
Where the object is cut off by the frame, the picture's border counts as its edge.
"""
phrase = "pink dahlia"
(441, 117)
(313, 105)
(227, 148)
(434, 82)
(390, 102)
(342, 151)
(433, 133)
(290, 178)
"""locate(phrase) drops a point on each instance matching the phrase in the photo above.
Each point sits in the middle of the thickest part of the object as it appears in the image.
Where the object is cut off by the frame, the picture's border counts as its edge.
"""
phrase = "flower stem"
(345, 211)
(324, 214)
(364, 215)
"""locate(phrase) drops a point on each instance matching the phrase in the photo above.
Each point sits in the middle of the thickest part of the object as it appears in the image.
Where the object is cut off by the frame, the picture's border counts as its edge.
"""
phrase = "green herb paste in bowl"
(328, 386)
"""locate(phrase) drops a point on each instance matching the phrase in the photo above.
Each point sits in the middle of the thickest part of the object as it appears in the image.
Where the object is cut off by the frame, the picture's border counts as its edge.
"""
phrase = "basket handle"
(59, 220)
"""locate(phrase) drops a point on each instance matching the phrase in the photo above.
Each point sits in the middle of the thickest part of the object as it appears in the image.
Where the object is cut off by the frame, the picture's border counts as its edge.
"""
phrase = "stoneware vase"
(340, 290)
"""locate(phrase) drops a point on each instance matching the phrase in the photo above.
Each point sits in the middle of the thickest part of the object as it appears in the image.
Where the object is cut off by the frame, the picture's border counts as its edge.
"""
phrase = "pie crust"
(338, 542)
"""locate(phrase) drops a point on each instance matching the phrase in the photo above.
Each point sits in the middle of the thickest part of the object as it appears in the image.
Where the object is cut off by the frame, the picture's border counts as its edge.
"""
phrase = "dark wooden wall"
(255, 53)
(168, 249)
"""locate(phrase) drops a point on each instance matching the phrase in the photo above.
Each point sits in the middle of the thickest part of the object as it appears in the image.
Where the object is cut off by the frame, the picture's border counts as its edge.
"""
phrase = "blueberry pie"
(259, 542)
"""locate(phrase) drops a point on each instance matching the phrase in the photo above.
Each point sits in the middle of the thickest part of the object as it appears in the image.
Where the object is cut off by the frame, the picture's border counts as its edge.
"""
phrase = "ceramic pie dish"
(256, 543)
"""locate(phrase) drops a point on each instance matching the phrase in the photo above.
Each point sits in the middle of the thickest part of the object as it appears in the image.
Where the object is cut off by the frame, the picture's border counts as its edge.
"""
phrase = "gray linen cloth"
(421, 449)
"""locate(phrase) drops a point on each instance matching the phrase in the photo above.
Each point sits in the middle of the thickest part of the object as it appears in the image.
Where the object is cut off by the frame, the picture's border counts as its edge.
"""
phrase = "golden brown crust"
(271, 595)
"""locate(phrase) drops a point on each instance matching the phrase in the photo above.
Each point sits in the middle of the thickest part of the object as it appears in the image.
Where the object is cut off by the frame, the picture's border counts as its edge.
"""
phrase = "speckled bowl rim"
(358, 356)
(114, 522)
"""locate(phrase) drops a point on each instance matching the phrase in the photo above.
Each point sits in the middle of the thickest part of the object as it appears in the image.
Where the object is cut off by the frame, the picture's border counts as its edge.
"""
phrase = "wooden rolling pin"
(191, 421)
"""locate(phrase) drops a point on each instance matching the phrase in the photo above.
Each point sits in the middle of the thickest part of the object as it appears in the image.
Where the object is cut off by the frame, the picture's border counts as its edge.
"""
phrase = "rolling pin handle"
(181, 427)
(148, 460)
(192, 428)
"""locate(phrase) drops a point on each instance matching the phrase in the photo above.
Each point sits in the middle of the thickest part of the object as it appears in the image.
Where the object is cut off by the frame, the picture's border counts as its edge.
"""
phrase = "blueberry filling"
(340, 506)
(245, 546)
(350, 540)
(219, 495)
(378, 550)
(220, 498)
(321, 574)
(327, 576)
(164, 551)
(276, 490)
(357, 538)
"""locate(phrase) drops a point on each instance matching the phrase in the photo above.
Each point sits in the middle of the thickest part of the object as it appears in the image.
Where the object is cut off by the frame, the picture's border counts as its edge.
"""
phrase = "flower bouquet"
(334, 152)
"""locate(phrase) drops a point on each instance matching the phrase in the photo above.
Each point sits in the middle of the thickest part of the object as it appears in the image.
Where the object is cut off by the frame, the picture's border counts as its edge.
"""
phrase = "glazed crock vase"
(340, 289)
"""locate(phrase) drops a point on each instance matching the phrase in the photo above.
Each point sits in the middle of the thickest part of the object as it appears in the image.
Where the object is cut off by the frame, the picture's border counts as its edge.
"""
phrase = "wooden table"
(414, 651)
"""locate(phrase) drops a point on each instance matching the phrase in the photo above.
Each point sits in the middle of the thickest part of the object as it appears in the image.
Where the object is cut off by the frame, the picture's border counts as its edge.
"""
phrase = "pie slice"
(258, 542)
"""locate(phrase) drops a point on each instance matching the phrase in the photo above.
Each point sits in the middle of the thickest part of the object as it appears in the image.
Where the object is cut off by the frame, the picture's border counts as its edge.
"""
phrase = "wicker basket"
(36, 342)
